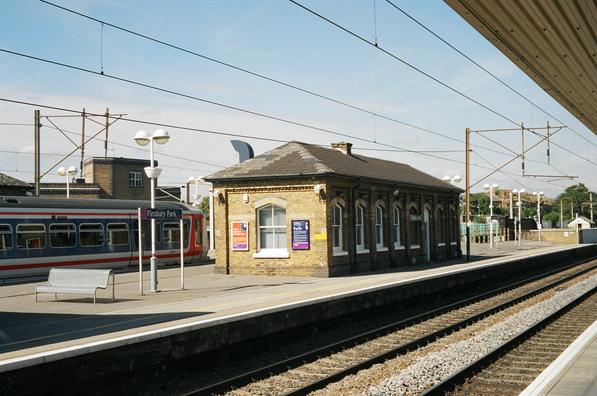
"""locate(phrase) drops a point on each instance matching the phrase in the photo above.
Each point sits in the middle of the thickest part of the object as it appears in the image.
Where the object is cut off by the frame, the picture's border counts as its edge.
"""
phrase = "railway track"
(509, 369)
(316, 369)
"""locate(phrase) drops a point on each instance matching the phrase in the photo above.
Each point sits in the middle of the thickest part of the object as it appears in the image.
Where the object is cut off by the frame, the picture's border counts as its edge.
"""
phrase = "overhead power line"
(187, 128)
(262, 76)
(419, 70)
(196, 98)
(484, 69)
(404, 62)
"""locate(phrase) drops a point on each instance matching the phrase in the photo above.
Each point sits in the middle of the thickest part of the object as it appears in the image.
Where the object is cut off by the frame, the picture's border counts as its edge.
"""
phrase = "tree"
(480, 206)
(579, 196)
(204, 206)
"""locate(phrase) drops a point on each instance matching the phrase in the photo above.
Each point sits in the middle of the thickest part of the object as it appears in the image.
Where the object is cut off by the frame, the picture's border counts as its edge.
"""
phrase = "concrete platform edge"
(77, 350)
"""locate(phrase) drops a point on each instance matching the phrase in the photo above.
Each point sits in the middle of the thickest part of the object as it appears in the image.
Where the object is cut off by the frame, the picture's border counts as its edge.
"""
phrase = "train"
(37, 234)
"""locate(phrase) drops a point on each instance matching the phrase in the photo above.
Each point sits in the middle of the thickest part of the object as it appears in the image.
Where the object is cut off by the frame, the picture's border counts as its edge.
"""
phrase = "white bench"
(72, 280)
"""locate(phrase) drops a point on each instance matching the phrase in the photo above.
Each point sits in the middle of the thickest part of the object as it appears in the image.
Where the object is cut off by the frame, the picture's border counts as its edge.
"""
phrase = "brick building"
(110, 178)
(119, 178)
(301, 209)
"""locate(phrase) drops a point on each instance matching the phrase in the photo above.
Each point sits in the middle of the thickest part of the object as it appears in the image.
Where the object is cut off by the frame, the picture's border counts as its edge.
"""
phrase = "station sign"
(161, 214)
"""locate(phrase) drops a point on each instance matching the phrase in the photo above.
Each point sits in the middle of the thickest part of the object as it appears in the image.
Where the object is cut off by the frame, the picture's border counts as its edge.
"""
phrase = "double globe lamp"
(68, 172)
(143, 138)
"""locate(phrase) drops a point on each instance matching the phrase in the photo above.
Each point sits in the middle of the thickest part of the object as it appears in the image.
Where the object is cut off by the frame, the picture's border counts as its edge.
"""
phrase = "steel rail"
(461, 376)
(284, 365)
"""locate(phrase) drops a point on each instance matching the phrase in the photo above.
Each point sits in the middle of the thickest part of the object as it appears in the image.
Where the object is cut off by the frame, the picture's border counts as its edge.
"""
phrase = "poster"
(300, 235)
(240, 235)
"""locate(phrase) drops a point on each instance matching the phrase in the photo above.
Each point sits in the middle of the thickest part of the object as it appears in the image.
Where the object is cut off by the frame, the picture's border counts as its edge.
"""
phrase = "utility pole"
(571, 210)
(511, 208)
(36, 122)
(522, 141)
(106, 141)
(82, 142)
(591, 200)
(467, 197)
(561, 215)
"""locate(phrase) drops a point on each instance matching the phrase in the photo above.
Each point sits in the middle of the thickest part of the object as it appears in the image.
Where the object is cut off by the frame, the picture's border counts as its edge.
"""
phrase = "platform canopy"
(553, 41)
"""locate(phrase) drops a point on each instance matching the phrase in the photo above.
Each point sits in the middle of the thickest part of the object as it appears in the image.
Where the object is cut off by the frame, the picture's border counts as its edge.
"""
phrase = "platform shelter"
(303, 209)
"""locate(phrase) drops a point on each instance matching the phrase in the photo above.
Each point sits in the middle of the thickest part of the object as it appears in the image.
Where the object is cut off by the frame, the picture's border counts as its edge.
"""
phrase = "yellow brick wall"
(563, 236)
(302, 204)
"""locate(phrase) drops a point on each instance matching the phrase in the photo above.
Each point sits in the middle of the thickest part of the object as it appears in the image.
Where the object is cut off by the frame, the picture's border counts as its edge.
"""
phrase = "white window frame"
(101, 227)
(398, 228)
(339, 227)
(379, 229)
(110, 242)
(18, 232)
(359, 222)
(135, 179)
(275, 252)
(6, 248)
(52, 230)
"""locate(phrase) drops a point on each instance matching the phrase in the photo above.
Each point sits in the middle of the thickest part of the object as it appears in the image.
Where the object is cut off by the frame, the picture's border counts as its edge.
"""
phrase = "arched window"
(454, 226)
(337, 228)
(441, 234)
(360, 227)
(272, 227)
(397, 227)
(379, 227)
(415, 225)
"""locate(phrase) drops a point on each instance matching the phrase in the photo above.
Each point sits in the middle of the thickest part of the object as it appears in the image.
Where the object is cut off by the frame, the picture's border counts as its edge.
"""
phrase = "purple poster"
(300, 235)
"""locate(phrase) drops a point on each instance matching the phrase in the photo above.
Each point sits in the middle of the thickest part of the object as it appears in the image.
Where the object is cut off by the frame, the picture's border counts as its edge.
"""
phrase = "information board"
(240, 235)
(300, 235)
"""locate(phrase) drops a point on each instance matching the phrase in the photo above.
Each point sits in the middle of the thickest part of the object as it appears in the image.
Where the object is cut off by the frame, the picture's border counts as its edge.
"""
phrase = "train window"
(91, 234)
(5, 237)
(118, 234)
(198, 233)
(63, 235)
(171, 232)
(31, 236)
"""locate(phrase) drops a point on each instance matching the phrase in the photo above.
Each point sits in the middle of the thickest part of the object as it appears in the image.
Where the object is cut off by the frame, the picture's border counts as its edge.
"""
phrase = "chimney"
(343, 147)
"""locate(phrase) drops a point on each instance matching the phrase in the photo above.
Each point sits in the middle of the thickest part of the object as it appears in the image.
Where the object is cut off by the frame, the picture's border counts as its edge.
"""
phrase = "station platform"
(39, 333)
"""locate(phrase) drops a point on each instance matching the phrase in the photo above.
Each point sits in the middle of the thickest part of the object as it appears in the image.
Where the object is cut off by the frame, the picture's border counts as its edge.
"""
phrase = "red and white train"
(39, 233)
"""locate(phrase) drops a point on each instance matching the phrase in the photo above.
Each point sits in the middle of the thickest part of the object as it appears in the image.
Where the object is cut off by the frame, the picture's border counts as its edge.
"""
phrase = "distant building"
(106, 178)
(302, 209)
(77, 189)
(580, 223)
(11, 186)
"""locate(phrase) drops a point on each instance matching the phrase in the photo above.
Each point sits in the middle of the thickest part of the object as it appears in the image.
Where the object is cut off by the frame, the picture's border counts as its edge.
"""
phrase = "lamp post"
(519, 204)
(196, 181)
(452, 180)
(539, 195)
(68, 172)
(143, 138)
(490, 188)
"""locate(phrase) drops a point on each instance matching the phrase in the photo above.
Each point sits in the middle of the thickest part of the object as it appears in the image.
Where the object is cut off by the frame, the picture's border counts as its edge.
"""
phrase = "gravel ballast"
(436, 366)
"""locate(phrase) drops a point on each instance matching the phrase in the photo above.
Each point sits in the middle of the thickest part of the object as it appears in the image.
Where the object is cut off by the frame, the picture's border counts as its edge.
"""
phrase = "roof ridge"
(305, 151)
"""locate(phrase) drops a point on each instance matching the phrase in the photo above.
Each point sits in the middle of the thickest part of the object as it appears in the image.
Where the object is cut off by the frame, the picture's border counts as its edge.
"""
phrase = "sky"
(280, 40)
